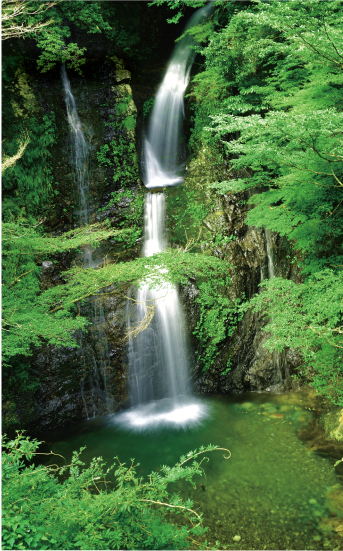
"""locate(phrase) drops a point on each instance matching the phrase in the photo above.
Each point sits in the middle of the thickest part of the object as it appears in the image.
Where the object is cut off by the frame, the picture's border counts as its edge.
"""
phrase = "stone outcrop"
(252, 366)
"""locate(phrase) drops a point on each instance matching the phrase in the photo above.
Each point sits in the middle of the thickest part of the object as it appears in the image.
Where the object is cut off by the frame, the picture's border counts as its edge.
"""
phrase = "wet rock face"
(76, 383)
(254, 255)
(97, 93)
(253, 367)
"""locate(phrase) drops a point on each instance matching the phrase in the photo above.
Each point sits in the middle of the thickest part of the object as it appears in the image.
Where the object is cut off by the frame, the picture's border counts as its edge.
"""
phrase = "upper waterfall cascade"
(158, 357)
(163, 161)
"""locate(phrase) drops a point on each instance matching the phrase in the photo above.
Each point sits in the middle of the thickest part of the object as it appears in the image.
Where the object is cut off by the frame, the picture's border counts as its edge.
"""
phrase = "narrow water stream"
(271, 493)
(93, 353)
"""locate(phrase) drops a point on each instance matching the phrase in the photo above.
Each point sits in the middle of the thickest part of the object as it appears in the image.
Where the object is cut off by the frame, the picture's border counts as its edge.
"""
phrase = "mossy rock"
(332, 423)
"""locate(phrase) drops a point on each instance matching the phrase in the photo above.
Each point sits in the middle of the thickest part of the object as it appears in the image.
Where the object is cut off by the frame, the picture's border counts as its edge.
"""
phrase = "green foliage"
(299, 157)
(121, 155)
(49, 26)
(171, 266)
(187, 207)
(223, 9)
(28, 182)
(218, 318)
(25, 320)
(29, 317)
(148, 107)
(96, 507)
(308, 317)
(289, 137)
(268, 104)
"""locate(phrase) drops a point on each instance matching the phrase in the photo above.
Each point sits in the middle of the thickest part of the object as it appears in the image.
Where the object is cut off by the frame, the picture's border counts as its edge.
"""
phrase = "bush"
(77, 507)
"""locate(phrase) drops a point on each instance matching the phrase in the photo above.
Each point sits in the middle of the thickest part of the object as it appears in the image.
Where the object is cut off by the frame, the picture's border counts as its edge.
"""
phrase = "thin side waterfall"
(270, 253)
(278, 357)
(94, 355)
(158, 361)
(80, 149)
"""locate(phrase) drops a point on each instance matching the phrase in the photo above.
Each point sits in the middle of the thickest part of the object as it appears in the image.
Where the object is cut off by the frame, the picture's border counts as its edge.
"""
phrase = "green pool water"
(272, 492)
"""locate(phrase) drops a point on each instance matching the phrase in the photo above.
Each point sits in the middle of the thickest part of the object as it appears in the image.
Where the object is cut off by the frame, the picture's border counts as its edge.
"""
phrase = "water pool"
(272, 492)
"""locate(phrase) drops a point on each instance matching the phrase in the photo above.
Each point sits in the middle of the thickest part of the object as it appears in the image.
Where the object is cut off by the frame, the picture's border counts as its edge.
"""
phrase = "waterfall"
(158, 356)
(163, 161)
(158, 359)
(93, 355)
(80, 149)
(270, 253)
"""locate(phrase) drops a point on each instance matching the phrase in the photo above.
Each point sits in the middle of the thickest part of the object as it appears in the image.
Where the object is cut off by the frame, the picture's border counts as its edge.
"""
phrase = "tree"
(14, 17)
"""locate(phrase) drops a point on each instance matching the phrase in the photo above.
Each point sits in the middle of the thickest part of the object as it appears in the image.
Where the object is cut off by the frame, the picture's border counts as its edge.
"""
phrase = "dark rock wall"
(90, 379)
(253, 367)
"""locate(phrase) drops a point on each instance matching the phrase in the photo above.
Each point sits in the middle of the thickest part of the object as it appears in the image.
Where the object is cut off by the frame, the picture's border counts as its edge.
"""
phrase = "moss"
(332, 423)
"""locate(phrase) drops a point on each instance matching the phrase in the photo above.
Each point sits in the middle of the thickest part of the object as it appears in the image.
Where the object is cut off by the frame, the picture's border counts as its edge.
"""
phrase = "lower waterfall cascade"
(158, 361)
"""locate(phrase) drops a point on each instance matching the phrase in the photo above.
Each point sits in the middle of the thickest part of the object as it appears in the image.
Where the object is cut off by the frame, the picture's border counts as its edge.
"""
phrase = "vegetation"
(45, 22)
(121, 156)
(98, 507)
(268, 104)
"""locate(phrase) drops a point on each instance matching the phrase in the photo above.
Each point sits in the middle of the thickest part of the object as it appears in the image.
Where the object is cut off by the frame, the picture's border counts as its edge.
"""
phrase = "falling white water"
(94, 358)
(162, 146)
(158, 359)
(80, 149)
(270, 253)
(158, 355)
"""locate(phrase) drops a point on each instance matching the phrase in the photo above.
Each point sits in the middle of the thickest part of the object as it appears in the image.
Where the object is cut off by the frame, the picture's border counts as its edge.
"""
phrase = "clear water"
(272, 492)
